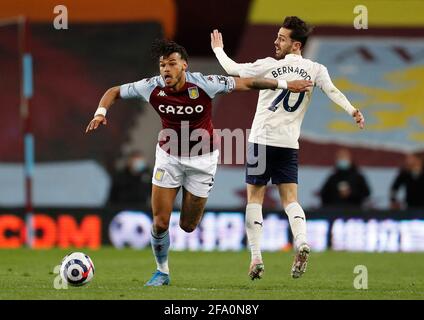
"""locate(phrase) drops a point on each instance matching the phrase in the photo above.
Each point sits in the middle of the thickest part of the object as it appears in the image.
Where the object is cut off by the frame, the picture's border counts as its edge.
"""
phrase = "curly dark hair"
(164, 48)
(300, 30)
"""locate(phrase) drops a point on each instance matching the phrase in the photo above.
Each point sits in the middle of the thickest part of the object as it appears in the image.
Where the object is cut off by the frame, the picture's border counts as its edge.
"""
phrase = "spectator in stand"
(411, 176)
(131, 186)
(346, 186)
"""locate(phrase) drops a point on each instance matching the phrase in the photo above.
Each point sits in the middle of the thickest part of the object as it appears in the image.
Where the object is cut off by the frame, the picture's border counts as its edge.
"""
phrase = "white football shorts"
(195, 174)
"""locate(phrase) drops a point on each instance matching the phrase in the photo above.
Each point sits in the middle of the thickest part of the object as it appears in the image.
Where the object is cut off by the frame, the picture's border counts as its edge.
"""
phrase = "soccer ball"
(77, 269)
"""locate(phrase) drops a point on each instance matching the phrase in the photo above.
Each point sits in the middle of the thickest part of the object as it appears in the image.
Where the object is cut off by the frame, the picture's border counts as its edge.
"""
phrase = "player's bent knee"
(255, 194)
(188, 227)
(160, 225)
(158, 229)
(255, 198)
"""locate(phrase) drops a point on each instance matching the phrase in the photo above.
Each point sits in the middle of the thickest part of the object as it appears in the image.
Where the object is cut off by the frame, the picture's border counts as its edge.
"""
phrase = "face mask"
(343, 164)
(139, 165)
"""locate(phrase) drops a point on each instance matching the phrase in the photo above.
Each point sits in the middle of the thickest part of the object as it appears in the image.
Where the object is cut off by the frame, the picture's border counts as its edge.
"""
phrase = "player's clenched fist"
(94, 124)
(359, 118)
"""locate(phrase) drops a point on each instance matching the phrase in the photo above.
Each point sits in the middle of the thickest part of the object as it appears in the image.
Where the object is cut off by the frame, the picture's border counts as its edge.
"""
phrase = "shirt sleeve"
(323, 81)
(255, 69)
(215, 84)
(140, 89)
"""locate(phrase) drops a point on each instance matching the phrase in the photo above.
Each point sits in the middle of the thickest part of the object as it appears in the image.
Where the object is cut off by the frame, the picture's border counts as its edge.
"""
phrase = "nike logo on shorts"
(257, 222)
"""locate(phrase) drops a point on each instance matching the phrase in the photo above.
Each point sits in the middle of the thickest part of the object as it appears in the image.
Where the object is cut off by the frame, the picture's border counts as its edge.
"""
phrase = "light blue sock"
(160, 246)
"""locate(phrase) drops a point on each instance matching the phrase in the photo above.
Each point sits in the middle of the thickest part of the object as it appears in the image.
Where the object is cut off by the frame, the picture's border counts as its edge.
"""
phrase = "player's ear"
(185, 65)
(297, 45)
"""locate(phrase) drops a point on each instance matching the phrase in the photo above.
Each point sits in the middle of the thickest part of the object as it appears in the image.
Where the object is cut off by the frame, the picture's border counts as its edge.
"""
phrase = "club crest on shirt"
(193, 93)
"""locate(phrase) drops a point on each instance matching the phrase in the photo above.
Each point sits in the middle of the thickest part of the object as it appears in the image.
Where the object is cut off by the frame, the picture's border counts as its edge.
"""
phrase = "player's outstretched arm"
(105, 103)
(339, 98)
(244, 84)
(324, 82)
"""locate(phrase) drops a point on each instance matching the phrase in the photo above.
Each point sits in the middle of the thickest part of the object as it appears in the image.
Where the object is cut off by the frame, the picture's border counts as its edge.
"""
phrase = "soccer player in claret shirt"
(275, 133)
(186, 154)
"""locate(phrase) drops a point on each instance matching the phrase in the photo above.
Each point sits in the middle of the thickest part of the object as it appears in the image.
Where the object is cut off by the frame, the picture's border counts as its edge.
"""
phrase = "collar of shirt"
(292, 56)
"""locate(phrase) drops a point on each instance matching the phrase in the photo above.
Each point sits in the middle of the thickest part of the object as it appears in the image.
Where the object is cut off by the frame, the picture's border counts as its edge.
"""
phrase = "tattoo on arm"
(262, 83)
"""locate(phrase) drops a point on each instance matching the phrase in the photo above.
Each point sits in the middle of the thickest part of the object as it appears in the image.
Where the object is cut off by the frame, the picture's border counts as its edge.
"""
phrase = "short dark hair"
(164, 48)
(300, 30)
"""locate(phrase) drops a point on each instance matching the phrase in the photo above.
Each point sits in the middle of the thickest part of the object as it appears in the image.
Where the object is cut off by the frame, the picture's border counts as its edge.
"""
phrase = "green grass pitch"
(121, 274)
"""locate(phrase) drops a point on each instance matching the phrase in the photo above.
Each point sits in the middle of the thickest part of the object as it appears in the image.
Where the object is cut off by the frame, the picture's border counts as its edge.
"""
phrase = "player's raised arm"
(244, 84)
(217, 44)
(105, 103)
(324, 82)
